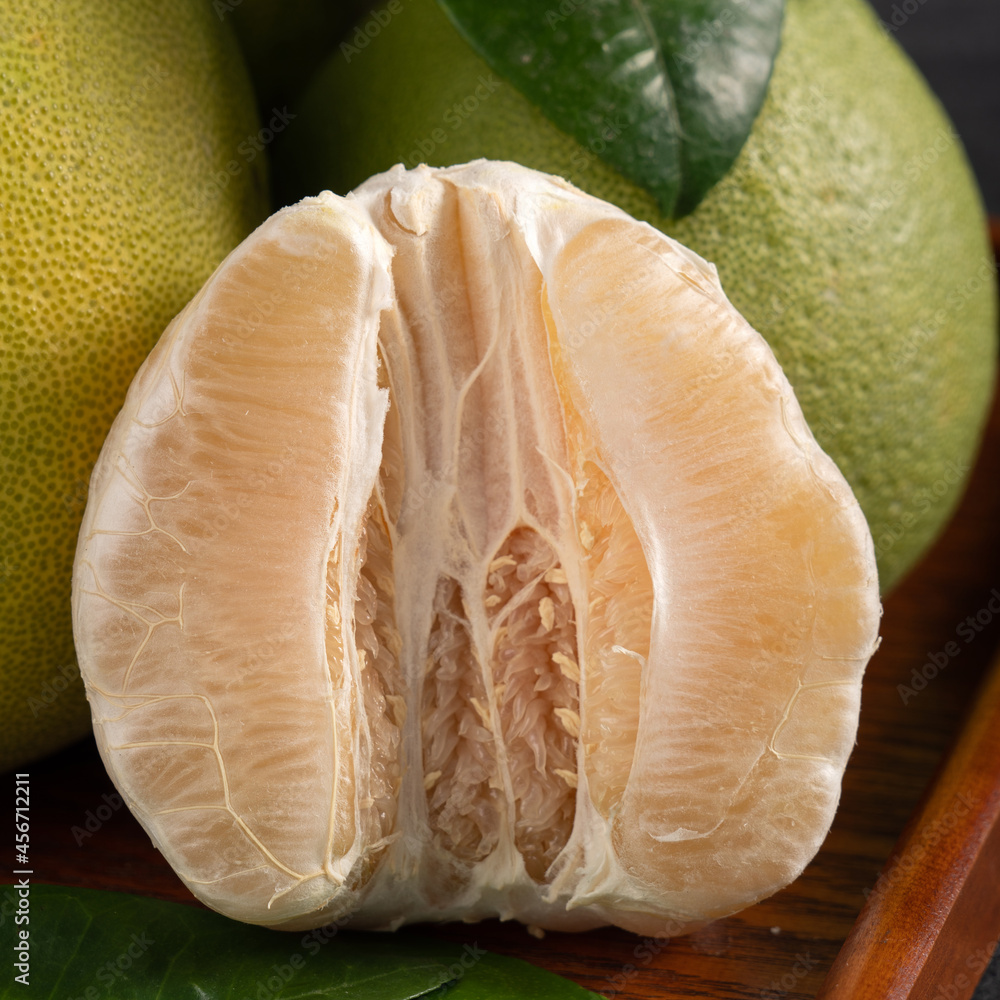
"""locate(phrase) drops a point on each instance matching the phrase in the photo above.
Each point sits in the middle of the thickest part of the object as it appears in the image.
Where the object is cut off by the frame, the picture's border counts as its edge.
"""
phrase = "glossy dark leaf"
(90, 945)
(666, 91)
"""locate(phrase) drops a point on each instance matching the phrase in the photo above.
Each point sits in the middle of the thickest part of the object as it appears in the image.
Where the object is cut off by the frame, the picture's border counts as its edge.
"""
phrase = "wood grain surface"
(933, 919)
(786, 946)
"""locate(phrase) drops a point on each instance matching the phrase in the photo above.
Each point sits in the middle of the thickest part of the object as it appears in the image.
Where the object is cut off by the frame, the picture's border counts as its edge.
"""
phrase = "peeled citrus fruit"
(461, 551)
(849, 231)
(121, 188)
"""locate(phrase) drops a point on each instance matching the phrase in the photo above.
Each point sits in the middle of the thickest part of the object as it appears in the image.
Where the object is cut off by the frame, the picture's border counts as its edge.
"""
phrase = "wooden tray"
(934, 905)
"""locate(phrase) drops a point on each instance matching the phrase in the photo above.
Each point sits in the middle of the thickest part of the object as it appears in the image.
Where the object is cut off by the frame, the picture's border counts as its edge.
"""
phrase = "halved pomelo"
(460, 551)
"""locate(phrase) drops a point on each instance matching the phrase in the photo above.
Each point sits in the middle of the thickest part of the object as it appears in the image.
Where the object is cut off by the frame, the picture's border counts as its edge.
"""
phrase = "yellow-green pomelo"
(122, 185)
(849, 231)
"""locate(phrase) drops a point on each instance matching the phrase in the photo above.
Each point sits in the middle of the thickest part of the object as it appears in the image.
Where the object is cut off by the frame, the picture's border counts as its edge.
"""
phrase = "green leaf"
(497, 977)
(108, 945)
(666, 91)
(90, 945)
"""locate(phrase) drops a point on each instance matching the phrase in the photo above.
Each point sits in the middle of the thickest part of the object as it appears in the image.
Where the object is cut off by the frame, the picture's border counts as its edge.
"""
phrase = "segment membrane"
(619, 612)
(503, 489)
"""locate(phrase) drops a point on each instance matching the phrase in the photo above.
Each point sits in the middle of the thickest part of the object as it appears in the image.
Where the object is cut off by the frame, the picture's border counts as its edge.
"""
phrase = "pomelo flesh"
(436, 568)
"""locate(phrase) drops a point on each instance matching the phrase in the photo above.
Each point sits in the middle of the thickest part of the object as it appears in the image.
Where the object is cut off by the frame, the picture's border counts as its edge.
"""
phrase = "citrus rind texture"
(118, 122)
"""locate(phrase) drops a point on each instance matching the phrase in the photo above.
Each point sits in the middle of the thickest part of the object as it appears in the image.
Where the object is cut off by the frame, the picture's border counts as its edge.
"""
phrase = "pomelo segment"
(459, 552)
(219, 568)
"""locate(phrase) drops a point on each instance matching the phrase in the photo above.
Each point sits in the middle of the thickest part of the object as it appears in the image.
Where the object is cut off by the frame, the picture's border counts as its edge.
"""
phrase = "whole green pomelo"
(122, 186)
(849, 231)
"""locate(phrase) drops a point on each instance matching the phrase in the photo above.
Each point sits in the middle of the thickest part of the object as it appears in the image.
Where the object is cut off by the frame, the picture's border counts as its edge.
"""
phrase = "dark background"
(956, 45)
